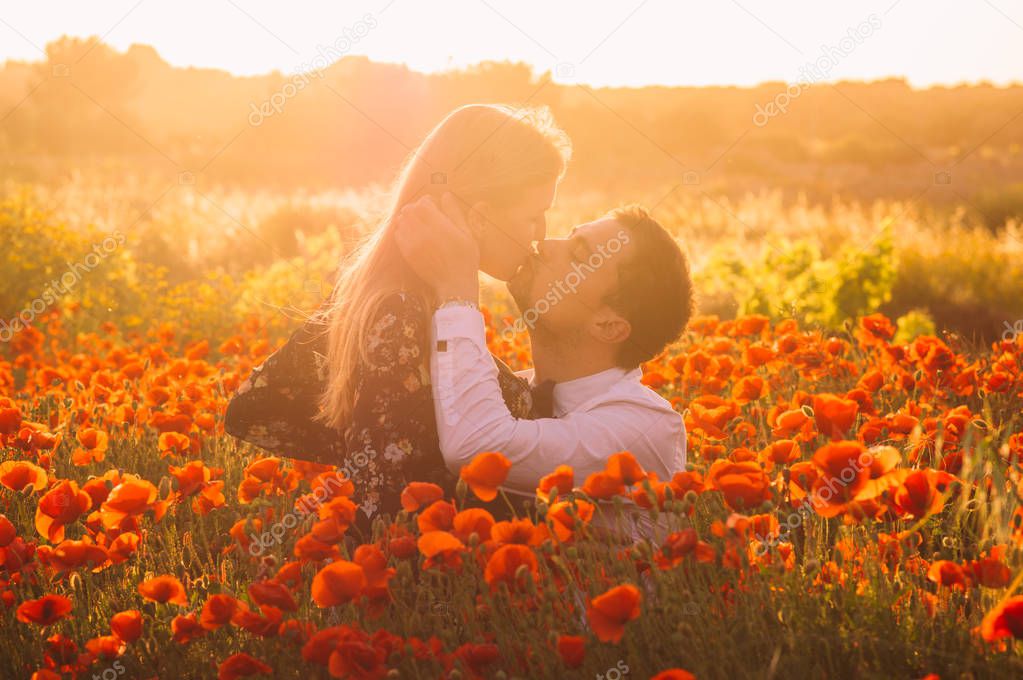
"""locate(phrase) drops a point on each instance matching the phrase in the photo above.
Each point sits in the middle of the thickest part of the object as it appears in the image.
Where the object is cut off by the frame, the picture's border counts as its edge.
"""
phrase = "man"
(597, 303)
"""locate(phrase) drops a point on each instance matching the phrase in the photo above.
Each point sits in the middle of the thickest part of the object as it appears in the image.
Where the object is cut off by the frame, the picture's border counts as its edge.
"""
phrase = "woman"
(352, 387)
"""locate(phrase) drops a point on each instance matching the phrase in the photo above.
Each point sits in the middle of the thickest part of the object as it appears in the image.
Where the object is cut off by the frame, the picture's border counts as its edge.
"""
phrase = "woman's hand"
(438, 245)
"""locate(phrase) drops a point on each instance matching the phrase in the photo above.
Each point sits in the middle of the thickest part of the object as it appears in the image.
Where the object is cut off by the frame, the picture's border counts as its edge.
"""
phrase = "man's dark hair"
(655, 288)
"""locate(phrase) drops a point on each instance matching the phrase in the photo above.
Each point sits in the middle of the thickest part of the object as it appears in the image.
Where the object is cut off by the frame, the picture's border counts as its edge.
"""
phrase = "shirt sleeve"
(472, 416)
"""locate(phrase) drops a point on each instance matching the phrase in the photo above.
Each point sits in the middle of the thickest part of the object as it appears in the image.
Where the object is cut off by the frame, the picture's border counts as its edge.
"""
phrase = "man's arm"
(472, 416)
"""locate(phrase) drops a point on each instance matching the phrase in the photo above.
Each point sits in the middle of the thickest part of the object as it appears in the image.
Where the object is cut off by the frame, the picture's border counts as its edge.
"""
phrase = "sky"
(596, 42)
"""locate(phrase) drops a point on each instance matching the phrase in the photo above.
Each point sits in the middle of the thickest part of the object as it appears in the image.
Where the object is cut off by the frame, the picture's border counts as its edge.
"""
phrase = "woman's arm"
(274, 407)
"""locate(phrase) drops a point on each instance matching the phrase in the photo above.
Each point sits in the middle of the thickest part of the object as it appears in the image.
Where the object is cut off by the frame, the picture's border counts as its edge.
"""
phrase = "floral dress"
(392, 437)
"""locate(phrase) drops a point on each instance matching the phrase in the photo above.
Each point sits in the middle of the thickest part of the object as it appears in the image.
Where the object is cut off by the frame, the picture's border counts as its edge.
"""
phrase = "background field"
(862, 197)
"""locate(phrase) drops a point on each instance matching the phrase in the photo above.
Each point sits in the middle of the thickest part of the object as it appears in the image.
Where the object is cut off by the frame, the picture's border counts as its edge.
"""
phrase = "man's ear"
(478, 217)
(610, 327)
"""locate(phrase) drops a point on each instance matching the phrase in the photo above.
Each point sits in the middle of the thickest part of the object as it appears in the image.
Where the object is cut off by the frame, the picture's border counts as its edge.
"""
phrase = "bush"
(998, 206)
(794, 280)
(965, 281)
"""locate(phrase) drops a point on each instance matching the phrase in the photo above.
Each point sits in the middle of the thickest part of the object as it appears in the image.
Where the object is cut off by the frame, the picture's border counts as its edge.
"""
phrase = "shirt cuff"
(458, 322)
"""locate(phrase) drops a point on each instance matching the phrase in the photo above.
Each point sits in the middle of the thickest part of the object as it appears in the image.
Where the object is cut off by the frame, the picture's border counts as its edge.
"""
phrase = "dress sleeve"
(274, 407)
(392, 438)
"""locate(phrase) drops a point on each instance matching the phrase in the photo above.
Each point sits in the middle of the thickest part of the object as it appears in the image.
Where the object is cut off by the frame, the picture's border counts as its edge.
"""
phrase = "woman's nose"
(542, 247)
(541, 231)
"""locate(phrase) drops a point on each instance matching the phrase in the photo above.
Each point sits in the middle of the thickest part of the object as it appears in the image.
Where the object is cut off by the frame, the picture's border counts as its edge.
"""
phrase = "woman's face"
(508, 233)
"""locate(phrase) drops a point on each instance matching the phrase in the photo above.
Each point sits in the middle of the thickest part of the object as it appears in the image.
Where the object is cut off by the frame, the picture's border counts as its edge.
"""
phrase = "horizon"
(952, 46)
(468, 67)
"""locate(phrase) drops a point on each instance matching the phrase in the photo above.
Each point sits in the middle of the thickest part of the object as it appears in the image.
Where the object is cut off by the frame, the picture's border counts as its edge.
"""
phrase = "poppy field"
(852, 508)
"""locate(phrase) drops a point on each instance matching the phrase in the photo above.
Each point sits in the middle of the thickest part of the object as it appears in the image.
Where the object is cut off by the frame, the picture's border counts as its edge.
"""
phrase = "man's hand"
(439, 247)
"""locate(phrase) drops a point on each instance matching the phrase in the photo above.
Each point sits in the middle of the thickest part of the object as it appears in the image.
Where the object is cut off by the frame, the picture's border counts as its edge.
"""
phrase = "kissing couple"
(391, 378)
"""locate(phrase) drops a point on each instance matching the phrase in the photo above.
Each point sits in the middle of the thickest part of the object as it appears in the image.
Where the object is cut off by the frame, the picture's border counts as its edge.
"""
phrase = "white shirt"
(596, 415)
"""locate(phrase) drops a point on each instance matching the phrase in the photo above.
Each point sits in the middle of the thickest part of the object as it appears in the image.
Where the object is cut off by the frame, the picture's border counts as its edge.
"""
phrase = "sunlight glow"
(632, 43)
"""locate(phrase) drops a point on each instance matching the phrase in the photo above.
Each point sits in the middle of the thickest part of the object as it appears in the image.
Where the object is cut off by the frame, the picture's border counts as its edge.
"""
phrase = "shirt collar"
(572, 394)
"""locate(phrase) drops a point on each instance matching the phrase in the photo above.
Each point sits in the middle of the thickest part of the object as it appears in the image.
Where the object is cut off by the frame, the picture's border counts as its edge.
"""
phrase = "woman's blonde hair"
(479, 152)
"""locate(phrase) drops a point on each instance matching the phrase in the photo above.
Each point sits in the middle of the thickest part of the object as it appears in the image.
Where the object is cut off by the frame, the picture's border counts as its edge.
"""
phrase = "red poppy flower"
(744, 485)
(922, 493)
(241, 665)
(674, 674)
(44, 611)
(505, 563)
(608, 613)
(844, 471)
(272, 593)
(186, 628)
(18, 474)
(625, 467)
(59, 506)
(1005, 620)
(516, 531)
(472, 521)
(485, 474)
(164, 589)
(603, 485)
(218, 611)
(419, 495)
(835, 415)
(439, 516)
(131, 497)
(69, 555)
(93, 446)
(433, 543)
(7, 532)
(563, 479)
(127, 625)
(337, 583)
